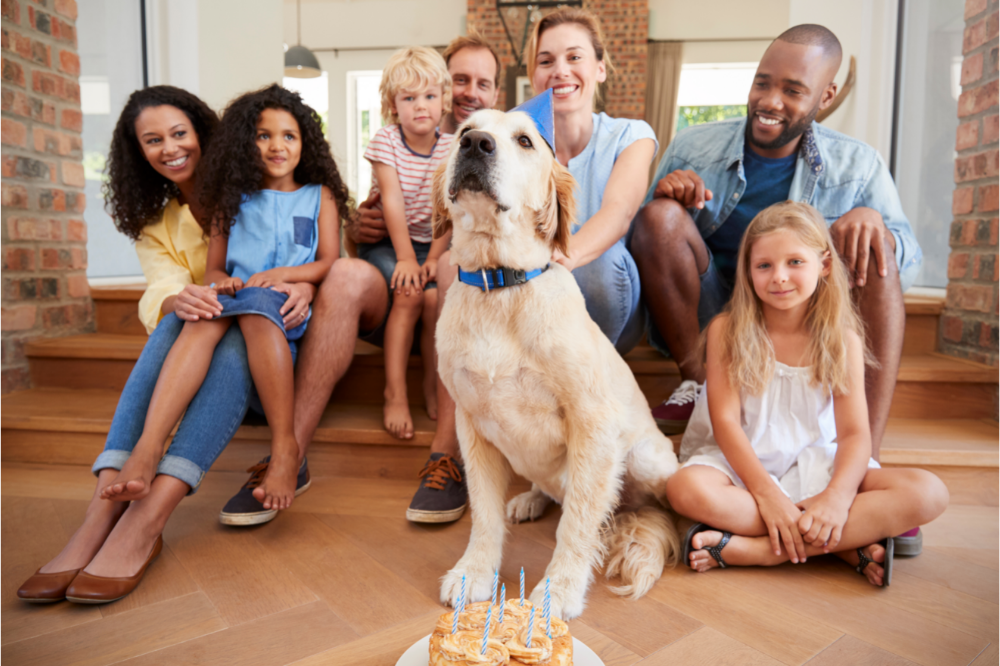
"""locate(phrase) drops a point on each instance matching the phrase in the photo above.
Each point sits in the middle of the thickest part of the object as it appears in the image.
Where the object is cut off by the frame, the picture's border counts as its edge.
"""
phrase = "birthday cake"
(500, 632)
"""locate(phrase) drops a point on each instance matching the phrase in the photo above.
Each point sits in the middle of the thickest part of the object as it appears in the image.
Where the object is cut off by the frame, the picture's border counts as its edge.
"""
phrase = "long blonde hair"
(747, 348)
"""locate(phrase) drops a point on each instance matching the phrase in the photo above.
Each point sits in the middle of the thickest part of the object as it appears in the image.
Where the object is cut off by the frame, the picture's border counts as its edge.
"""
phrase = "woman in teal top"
(609, 157)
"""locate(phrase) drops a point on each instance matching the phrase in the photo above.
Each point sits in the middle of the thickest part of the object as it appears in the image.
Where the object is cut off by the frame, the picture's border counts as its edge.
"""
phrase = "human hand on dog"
(568, 261)
(822, 522)
(406, 277)
(782, 520)
(685, 187)
(229, 286)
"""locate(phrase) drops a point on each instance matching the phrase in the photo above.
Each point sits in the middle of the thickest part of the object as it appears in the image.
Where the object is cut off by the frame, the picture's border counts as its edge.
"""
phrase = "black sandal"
(715, 551)
(864, 561)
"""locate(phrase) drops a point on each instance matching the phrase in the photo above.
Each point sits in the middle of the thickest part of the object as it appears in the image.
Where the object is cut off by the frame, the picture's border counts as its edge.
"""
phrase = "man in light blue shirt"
(715, 178)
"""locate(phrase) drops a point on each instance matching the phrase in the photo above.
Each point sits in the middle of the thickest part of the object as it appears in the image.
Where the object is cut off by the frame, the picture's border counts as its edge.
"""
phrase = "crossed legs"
(889, 501)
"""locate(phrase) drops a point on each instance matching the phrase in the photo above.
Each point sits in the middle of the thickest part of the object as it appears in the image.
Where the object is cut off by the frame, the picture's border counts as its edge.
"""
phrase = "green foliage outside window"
(696, 115)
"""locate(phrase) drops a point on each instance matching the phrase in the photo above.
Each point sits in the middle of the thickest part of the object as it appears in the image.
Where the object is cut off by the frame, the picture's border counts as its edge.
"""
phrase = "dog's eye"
(524, 141)
(464, 131)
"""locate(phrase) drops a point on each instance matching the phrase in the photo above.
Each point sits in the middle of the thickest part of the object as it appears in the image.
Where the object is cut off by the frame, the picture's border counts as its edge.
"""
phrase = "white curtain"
(663, 78)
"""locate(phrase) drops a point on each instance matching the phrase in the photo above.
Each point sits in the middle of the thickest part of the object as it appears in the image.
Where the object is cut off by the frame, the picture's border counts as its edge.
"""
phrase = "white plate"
(417, 655)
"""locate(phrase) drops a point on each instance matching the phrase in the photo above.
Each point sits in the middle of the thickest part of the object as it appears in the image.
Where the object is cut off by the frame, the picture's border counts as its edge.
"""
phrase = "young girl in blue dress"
(274, 196)
(776, 461)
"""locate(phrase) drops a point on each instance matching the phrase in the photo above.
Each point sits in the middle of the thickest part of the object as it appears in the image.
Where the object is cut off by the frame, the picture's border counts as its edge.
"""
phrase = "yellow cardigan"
(173, 253)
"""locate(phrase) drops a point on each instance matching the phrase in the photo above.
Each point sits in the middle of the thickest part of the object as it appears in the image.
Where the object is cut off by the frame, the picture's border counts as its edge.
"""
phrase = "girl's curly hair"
(135, 194)
(234, 169)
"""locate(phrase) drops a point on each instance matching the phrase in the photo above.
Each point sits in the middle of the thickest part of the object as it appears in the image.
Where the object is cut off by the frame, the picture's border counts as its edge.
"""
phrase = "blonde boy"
(416, 93)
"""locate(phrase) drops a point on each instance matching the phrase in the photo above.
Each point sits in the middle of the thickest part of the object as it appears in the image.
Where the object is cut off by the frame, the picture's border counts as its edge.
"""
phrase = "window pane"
(110, 37)
(927, 122)
(713, 91)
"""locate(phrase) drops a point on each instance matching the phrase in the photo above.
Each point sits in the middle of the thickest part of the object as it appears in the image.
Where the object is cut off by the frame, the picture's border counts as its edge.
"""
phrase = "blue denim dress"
(273, 229)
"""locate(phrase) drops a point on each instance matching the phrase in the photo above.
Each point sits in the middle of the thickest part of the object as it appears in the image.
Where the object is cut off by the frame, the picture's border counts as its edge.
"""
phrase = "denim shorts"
(382, 255)
(715, 294)
(261, 301)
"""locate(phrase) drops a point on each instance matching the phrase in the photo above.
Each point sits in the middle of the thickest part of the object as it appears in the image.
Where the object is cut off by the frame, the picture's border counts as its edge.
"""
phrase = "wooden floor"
(343, 578)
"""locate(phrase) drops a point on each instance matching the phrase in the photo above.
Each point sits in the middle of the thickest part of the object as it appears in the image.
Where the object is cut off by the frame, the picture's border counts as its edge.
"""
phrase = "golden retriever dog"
(539, 389)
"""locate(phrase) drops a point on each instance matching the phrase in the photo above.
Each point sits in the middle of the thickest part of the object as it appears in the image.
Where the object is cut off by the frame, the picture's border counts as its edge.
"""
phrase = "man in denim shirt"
(715, 178)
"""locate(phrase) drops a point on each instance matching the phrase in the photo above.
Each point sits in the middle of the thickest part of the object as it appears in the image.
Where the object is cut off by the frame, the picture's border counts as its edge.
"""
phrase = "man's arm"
(367, 225)
(877, 218)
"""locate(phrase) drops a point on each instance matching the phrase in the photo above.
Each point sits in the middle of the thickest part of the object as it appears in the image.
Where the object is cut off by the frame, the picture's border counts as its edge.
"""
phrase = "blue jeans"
(610, 286)
(210, 421)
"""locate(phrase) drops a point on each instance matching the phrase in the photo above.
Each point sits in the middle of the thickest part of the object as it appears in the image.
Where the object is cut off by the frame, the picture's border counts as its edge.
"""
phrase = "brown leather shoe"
(46, 588)
(90, 589)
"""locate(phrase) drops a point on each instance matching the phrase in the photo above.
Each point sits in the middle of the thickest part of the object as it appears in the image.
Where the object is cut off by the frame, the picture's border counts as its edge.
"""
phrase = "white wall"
(684, 20)
(217, 49)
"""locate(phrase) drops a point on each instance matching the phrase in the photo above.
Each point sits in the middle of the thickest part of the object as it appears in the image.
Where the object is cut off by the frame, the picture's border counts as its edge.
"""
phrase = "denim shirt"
(834, 173)
(274, 229)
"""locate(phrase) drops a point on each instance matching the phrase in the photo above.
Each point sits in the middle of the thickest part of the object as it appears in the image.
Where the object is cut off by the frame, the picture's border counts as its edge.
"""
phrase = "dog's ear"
(556, 220)
(440, 217)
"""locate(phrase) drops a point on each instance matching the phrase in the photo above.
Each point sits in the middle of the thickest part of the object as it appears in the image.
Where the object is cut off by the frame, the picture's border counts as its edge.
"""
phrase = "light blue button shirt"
(834, 173)
(592, 168)
(274, 229)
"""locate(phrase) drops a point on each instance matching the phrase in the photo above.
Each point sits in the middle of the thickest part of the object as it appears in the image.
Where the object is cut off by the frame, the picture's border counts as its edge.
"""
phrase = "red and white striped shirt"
(415, 171)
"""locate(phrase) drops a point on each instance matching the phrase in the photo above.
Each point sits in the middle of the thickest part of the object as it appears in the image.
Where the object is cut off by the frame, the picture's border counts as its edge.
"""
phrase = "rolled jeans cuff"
(175, 466)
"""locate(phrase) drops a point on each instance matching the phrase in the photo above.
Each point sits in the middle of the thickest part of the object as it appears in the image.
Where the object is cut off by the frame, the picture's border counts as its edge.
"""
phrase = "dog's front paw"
(478, 586)
(567, 601)
(527, 506)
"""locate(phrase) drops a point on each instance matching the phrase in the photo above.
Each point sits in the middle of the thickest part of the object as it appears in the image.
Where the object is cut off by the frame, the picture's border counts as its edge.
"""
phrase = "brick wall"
(626, 29)
(969, 322)
(45, 292)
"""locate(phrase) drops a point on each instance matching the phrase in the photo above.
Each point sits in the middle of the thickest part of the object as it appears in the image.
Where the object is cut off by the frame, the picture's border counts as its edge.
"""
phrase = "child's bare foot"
(398, 420)
(740, 551)
(277, 490)
(135, 478)
(430, 395)
(874, 572)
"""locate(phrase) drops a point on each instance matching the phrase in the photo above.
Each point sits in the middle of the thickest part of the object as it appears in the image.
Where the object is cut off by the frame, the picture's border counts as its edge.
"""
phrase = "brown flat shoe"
(46, 588)
(90, 589)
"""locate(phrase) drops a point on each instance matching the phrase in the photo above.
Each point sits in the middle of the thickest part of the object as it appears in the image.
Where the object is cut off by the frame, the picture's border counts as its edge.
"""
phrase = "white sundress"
(790, 427)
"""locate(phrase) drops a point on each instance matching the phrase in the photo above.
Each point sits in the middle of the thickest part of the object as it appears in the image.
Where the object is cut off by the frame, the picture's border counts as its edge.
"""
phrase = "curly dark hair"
(235, 169)
(135, 194)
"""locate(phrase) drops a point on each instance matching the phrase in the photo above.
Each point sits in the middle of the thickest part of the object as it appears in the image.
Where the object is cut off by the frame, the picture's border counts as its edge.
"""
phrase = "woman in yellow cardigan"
(151, 194)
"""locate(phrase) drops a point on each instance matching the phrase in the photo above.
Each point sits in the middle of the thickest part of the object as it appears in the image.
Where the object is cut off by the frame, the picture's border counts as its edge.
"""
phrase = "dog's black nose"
(477, 144)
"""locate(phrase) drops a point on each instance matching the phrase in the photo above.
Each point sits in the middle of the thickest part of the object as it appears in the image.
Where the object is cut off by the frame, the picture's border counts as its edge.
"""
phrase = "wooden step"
(79, 419)
(117, 309)
(928, 383)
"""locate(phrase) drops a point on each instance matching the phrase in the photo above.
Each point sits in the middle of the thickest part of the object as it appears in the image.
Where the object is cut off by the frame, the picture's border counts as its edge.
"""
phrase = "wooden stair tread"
(916, 304)
(118, 292)
(91, 410)
(926, 367)
(951, 442)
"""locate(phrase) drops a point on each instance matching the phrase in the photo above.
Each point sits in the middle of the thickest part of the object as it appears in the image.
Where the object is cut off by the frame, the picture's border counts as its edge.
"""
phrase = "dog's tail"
(639, 545)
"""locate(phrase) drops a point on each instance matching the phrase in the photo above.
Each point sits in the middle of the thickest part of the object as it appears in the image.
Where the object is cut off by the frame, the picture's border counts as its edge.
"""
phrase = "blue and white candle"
(522, 586)
(486, 631)
(496, 579)
(503, 598)
(461, 596)
(531, 628)
(548, 611)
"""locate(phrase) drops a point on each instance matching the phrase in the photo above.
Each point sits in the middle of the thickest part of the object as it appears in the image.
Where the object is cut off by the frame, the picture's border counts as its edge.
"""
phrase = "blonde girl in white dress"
(776, 461)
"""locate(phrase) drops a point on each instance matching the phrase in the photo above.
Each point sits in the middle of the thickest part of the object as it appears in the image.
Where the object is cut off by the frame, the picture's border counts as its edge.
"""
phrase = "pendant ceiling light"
(300, 62)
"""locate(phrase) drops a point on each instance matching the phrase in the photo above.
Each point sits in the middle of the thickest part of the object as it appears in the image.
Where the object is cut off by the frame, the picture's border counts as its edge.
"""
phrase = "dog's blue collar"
(494, 278)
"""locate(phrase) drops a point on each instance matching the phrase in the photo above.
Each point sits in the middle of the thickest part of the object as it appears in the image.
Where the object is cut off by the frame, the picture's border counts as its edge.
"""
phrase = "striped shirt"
(415, 171)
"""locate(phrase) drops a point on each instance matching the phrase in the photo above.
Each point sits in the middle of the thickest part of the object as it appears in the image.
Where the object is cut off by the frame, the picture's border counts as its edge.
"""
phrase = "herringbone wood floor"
(343, 578)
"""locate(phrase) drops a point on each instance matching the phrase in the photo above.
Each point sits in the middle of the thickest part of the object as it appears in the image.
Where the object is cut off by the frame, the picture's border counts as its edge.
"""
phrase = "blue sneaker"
(244, 509)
